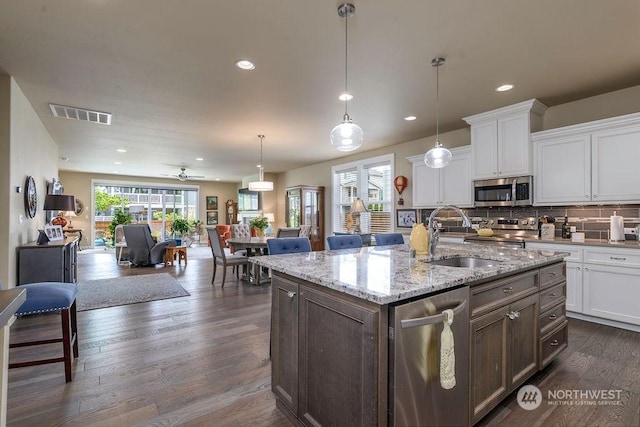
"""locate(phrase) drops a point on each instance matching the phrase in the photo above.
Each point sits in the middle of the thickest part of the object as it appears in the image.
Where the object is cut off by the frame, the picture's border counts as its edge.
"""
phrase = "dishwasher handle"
(430, 320)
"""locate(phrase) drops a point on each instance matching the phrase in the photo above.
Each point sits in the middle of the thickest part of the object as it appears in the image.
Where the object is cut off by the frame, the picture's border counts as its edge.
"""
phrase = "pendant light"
(347, 136)
(438, 156)
(261, 185)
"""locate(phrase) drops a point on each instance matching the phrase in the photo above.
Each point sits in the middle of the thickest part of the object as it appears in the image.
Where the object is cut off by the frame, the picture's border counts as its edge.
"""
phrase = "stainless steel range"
(507, 232)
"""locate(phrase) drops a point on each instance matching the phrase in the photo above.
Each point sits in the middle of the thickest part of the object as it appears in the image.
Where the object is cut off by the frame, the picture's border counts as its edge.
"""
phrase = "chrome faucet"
(434, 232)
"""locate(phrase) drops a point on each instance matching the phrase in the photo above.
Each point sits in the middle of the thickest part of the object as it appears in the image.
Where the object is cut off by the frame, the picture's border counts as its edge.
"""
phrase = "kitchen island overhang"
(387, 274)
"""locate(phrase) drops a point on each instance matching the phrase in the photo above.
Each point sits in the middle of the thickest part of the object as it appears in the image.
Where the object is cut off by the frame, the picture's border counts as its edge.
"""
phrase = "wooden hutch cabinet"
(305, 206)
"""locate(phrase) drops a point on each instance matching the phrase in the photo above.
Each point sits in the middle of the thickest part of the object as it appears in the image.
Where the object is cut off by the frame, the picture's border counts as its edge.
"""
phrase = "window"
(153, 205)
(371, 181)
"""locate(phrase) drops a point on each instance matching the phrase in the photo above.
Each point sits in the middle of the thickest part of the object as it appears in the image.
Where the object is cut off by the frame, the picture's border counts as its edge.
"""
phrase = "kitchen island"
(333, 333)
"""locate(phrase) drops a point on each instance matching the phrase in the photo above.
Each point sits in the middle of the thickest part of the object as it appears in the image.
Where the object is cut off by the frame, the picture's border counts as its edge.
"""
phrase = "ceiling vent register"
(80, 114)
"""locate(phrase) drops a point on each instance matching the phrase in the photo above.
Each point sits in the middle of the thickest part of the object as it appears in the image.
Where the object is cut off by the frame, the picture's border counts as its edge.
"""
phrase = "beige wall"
(27, 150)
(80, 185)
(610, 104)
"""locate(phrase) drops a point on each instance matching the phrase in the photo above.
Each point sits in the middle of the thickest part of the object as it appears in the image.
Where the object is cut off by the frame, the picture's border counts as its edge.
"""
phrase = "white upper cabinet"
(500, 140)
(589, 163)
(451, 185)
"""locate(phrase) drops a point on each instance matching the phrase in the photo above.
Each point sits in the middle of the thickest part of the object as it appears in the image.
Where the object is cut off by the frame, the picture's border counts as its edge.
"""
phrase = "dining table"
(255, 246)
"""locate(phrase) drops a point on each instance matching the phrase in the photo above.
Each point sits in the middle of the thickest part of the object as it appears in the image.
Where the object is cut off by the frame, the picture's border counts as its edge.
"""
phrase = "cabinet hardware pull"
(619, 258)
(430, 320)
(552, 274)
(553, 295)
(554, 343)
(507, 290)
(513, 315)
(553, 317)
(291, 294)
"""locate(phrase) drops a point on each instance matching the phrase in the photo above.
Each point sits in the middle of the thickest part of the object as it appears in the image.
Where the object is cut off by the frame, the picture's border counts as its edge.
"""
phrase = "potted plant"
(259, 224)
(179, 227)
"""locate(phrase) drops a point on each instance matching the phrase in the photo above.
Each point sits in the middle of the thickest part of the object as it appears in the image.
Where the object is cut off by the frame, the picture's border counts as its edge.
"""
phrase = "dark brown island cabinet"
(331, 351)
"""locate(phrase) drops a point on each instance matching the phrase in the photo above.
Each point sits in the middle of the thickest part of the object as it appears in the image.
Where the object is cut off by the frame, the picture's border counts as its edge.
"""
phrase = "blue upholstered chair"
(48, 297)
(344, 241)
(383, 239)
(288, 245)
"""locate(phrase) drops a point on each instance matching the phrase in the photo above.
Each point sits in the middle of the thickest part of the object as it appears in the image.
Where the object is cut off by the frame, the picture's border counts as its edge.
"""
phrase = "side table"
(177, 252)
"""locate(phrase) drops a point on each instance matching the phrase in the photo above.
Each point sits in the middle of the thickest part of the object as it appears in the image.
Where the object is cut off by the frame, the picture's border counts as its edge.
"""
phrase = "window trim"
(359, 166)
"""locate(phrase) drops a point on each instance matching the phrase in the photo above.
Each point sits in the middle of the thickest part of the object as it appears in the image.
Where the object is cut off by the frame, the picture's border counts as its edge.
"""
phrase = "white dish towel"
(447, 354)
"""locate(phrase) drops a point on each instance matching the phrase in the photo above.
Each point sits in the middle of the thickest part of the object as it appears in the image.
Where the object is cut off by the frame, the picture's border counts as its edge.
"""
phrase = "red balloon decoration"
(400, 182)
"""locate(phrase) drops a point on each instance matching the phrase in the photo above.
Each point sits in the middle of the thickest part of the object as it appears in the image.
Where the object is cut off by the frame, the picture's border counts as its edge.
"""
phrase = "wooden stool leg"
(74, 329)
(66, 343)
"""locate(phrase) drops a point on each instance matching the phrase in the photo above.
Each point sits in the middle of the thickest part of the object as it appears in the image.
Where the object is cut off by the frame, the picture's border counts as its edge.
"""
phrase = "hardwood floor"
(203, 360)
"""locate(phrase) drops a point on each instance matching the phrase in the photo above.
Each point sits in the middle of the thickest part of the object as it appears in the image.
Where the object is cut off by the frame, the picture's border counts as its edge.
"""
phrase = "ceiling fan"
(182, 176)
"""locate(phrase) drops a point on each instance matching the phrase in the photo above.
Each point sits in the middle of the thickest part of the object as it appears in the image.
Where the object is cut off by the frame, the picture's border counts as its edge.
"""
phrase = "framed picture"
(212, 203)
(405, 218)
(53, 232)
(212, 218)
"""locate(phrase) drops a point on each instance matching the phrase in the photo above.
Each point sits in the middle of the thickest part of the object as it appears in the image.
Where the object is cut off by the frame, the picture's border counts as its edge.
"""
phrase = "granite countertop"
(627, 244)
(386, 274)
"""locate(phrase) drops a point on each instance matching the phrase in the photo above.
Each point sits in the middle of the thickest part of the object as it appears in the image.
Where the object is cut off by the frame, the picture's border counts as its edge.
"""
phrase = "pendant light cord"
(438, 103)
(346, 68)
(261, 165)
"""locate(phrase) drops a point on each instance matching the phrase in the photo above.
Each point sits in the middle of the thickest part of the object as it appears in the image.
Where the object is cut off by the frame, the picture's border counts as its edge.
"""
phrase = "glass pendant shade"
(347, 136)
(438, 157)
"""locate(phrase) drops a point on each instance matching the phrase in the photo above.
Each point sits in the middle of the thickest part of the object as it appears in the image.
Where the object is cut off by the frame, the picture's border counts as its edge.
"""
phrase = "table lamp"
(357, 207)
(70, 215)
(59, 203)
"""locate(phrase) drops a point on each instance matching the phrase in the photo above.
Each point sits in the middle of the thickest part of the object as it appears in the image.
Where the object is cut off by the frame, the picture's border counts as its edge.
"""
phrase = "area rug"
(102, 293)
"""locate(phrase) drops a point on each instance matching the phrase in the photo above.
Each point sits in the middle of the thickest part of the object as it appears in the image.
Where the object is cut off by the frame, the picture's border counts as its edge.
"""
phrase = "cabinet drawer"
(551, 345)
(552, 274)
(553, 295)
(487, 297)
(622, 258)
(552, 318)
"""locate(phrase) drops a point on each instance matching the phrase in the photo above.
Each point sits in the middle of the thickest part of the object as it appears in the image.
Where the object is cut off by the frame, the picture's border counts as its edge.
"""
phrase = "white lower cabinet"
(612, 293)
(602, 282)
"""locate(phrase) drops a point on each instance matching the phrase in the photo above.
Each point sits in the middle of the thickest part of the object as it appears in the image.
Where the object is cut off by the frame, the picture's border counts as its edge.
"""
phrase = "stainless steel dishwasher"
(415, 394)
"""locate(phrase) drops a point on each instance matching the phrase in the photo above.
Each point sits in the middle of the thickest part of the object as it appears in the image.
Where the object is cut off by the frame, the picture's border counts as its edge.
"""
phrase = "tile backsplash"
(593, 221)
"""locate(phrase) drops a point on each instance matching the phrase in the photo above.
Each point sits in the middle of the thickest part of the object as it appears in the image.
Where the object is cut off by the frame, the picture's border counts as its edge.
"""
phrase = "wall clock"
(30, 197)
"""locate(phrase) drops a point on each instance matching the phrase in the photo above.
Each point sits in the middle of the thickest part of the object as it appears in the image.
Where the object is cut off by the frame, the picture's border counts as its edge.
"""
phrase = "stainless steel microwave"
(516, 191)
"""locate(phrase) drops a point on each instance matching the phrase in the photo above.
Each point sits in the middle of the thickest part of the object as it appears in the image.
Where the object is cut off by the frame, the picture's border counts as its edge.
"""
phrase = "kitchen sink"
(465, 262)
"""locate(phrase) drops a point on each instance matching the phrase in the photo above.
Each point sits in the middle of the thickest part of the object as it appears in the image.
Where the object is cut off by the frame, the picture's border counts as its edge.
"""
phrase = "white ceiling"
(165, 70)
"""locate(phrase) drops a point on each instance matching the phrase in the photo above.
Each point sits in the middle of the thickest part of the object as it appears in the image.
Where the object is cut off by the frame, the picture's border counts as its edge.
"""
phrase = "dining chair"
(288, 245)
(305, 230)
(239, 231)
(221, 258)
(287, 232)
(344, 241)
(383, 239)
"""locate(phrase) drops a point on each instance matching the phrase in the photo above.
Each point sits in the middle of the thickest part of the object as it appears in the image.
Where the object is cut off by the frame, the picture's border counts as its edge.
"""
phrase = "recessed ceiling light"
(410, 118)
(121, 150)
(245, 64)
(217, 179)
(504, 88)
(346, 97)
(199, 159)
(117, 163)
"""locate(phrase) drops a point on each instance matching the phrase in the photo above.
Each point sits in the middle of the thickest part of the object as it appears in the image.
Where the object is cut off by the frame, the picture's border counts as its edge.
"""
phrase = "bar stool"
(49, 297)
